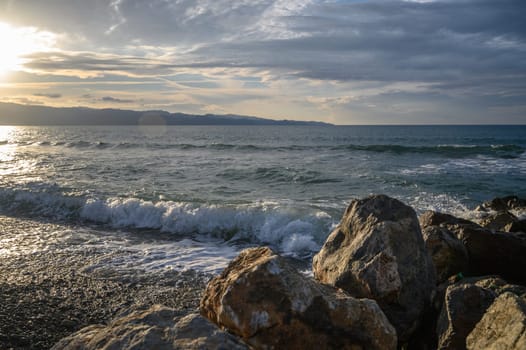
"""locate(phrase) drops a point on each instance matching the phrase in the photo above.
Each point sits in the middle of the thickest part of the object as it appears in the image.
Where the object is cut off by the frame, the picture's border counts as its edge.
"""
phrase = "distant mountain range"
(17, 114)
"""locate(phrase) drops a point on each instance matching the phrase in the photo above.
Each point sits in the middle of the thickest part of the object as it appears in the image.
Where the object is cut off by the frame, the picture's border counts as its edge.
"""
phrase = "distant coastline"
(17, 114)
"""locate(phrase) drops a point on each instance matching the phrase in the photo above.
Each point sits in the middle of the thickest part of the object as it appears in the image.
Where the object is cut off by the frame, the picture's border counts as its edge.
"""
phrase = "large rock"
(500, 253)
(464, 306)
(449, 255)
(503, 254)
(261, 298)
(157, 328)
(434, 218)
(503, 326)
(377, 251)
(496, 214)
(503, 204)
(500, 221)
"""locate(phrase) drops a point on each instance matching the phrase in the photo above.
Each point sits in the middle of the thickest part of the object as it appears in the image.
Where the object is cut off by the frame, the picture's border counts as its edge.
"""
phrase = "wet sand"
(46, 294)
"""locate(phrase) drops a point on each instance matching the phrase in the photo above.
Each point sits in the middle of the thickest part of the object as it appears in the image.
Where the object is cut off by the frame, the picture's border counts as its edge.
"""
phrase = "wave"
(500, 151)
(291, 230)
(277, 174)
(447, 150)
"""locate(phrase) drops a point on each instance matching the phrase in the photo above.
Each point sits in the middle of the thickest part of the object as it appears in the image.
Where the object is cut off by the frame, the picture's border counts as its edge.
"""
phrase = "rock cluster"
(382, 280)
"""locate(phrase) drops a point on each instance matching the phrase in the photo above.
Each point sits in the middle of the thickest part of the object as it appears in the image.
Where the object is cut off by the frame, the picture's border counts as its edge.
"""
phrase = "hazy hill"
(16, 114)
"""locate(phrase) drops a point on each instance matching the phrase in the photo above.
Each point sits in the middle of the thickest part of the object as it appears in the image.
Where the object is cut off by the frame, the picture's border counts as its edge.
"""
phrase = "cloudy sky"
(340, 61)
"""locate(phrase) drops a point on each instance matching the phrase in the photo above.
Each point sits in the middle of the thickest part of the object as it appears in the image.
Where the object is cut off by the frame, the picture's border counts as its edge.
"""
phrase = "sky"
(338, 61)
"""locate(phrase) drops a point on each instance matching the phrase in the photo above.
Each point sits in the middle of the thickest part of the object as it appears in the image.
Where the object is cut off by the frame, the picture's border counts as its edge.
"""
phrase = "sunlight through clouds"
(294, 59)
(17, 43)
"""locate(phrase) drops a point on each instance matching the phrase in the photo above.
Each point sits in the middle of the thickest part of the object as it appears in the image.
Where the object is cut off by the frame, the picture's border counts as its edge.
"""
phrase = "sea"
(159, 198)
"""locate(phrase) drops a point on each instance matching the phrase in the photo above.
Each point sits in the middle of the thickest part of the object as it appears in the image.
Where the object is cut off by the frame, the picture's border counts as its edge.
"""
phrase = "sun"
(17, 43)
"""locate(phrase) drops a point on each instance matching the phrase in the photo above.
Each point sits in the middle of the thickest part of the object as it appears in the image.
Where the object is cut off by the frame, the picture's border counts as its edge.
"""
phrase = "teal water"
(282, 186)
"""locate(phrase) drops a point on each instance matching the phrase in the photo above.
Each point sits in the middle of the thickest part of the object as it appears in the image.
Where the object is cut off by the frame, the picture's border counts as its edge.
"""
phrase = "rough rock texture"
(464, 306)
(261, 298)
(500, 253)
(156, 328)
(499, 221)
(449, 255)
(504, 203)
(434, 218)
(503, 326)
(516, 226)
(497, 215)
(377, 251)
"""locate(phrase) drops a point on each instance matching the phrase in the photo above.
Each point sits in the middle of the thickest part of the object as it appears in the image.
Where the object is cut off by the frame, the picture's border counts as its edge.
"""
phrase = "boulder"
(503, 326)
(264, 300)
(499, 221)
(499, 253)
(449, 255)
(434, 218)
(516, 226)
(463, 307)
(377, 251)
(489, 252)
(156, 328)
(503, 204)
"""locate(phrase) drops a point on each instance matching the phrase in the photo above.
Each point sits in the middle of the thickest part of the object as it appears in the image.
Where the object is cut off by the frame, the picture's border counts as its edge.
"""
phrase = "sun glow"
(17, 43)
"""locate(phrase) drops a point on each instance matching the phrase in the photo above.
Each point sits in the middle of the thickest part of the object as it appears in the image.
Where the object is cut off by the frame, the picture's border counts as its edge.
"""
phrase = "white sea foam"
(209, 256)
(290, 230)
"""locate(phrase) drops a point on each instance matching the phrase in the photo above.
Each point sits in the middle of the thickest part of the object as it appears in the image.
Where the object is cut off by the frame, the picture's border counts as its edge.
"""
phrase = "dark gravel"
(47, 295)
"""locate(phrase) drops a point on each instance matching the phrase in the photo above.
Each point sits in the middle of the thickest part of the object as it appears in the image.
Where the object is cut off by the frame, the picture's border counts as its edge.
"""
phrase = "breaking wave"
(292, 231)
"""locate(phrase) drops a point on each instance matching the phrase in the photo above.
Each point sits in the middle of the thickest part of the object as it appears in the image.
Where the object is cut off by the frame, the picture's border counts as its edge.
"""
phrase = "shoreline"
(47, 295)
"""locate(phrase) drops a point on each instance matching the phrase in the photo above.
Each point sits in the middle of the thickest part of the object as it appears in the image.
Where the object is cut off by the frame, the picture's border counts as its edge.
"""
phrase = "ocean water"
(193, 197)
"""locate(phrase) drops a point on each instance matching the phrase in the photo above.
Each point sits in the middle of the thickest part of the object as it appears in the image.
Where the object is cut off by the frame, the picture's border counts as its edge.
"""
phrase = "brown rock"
(156, 328)
(464, 306)
(503, 254)
(516, 226)
(503, 326)
(499, 253)
(499, 221)
(261, 298)
(377, 251)
(434, 218)
(503, 204)
(449, 255)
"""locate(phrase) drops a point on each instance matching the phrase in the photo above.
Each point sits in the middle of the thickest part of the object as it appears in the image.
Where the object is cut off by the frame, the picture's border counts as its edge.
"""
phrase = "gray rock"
(156, 328)
(463, 307)
(503, 326)
(449, 255)
(263, 299)
(377, 251)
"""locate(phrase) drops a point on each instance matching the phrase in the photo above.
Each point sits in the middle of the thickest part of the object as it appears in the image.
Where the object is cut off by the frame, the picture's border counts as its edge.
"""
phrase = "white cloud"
(328, 54)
